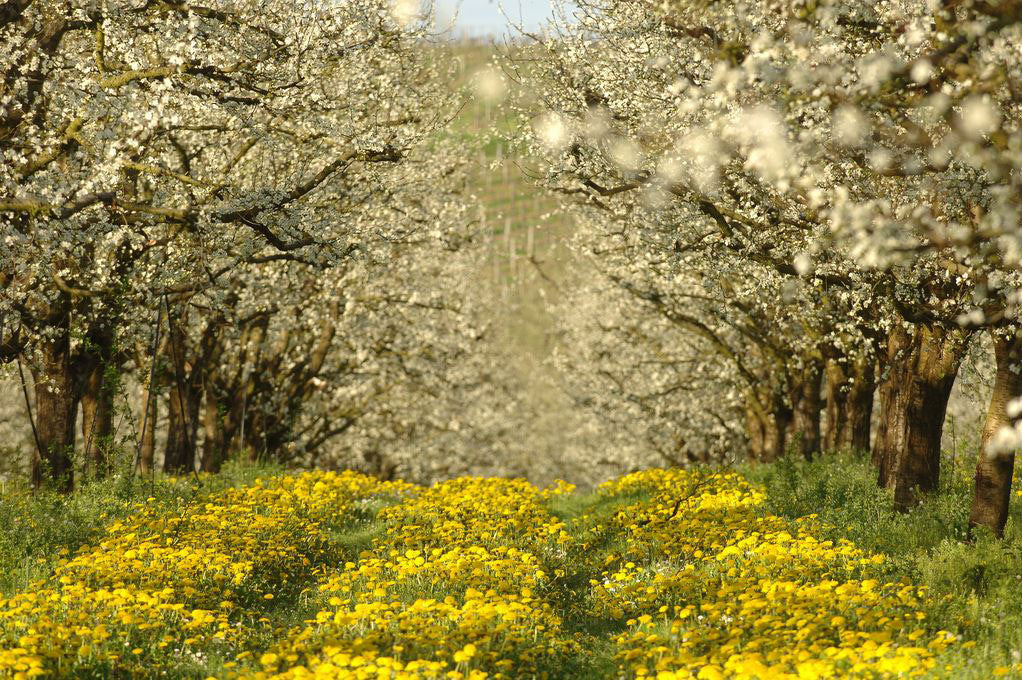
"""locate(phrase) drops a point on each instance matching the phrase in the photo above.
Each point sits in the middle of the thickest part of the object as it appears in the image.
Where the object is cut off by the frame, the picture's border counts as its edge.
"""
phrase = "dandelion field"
(661, 573)
(305, 307)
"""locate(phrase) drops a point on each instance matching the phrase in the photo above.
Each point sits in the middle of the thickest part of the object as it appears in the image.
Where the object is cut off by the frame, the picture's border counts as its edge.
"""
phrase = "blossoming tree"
(158, 151)
(863, 154)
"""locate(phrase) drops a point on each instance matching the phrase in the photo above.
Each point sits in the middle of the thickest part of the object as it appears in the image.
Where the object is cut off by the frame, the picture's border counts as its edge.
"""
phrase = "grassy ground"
(37, 529)
(977, 585)
(660, 573)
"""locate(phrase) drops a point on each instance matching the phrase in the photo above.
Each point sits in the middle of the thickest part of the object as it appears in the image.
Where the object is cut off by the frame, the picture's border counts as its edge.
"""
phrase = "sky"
(484, 16)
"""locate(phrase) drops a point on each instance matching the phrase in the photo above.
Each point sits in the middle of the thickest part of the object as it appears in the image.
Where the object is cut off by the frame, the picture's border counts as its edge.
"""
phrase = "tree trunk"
(252, 441)
(97, 420)
(921, 369)
(850, 388)
(994, 468)
(777, 426)
(147, 454)
(806, 403)
(214, 450)
(876, 452)
(184, 397)
(768, 421)
(755, 425)
(150, 398)
(859, 409)
(55, 413)
(96, 373)
(182, 429)
(379, 466)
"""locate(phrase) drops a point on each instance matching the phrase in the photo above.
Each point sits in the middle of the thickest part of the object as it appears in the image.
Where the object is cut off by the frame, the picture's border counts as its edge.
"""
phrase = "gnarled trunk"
(850, 387)
(97, 373)
(921, 368)
(182, 428)
(755, 427)
(184, 396)
(252, 440)
(150, 403)
(379, 466)
(768, 420)
(55, 413)
(147, 451)
(97, 421)
(994, 469)
(777, 427)
(806, 408)
(214, 448)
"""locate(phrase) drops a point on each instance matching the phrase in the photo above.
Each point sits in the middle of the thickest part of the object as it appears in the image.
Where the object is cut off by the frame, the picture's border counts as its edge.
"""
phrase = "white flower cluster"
(248, 206)
(827, 174)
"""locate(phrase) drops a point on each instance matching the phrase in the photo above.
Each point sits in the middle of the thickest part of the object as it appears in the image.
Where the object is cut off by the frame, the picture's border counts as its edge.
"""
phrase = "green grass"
(977, 586)
(37, 529)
